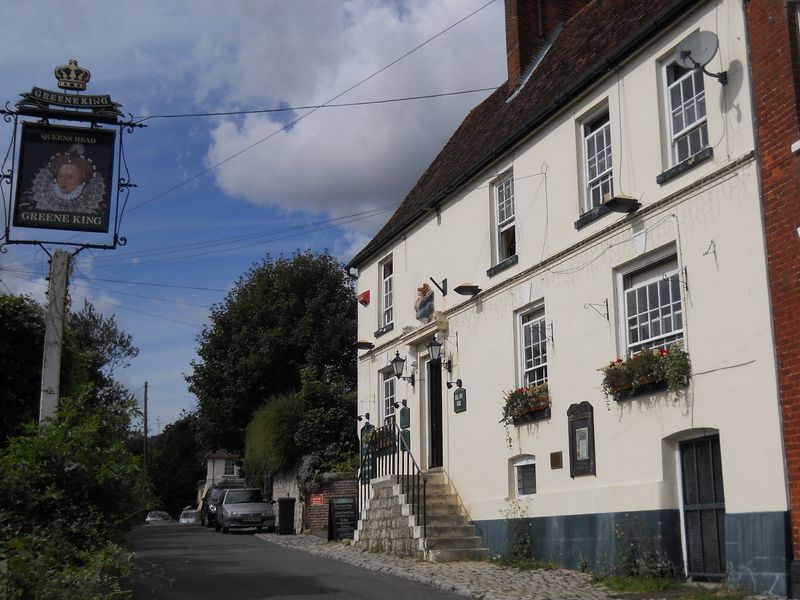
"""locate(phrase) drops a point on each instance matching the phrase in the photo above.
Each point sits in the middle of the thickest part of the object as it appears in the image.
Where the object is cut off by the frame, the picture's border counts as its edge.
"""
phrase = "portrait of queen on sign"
(63, 180)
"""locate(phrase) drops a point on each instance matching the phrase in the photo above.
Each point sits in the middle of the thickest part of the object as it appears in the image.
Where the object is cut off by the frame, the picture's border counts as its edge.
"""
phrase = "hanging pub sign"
(64, 179)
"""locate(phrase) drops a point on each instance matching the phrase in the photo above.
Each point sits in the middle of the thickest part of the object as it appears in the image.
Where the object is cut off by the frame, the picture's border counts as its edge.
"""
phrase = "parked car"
(245, 508)
(157, 516)
(210, 504)
(189, 517)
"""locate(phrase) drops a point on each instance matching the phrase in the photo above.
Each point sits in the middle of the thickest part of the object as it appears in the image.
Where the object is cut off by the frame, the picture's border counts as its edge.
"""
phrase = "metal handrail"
(388, 453)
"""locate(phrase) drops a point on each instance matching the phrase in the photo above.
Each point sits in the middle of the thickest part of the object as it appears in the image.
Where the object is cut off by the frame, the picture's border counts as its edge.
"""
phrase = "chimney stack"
(528, 25)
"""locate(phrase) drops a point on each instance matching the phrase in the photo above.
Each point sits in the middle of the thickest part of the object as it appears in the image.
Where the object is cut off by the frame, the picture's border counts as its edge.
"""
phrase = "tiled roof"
(592, 43)
(221, 454)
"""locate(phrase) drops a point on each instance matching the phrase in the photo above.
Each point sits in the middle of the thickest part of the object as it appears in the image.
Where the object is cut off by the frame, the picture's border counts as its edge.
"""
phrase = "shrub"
(69, 488)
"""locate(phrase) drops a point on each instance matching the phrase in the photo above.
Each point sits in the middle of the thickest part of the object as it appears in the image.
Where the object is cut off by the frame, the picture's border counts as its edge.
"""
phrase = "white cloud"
(341, 160)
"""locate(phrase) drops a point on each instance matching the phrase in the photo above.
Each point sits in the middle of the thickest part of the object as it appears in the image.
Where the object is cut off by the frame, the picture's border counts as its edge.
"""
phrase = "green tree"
(283, 315)
(316, 423)
(176, 464)
(105, 349)
(93, 348)
(20, 363)
(270, 441)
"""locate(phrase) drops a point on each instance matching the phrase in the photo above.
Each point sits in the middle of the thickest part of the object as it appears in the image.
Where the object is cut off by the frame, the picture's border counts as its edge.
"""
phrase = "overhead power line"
(262, 237)
(259, 111)
(309, 113)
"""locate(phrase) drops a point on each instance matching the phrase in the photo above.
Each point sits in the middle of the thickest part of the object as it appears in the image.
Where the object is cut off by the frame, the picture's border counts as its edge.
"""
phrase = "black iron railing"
(386, 451)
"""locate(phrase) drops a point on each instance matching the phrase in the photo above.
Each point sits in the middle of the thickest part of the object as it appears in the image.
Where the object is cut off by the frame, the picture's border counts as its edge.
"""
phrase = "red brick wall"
(772, 32)
(528, 23)
(343, 486)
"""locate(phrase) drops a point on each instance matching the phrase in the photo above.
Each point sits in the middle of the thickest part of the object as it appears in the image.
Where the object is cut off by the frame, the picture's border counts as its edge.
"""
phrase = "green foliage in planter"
(653, 365)
(523, 400)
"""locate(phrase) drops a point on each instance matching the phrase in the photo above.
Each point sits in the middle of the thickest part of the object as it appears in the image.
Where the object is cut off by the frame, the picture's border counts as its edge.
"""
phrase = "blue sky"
(327, 182)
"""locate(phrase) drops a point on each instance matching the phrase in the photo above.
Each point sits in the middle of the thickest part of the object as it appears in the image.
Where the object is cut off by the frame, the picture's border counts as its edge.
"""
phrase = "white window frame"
(388, 395)
(386, 315)
(504, 215)
(532, 318)
(690, 106)
(230, 467)
(665, 285)
(597, 155)
(524, 462)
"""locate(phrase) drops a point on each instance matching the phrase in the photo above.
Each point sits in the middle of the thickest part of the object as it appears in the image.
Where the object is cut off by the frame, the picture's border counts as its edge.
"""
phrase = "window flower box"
(651, 370)
(526, 404)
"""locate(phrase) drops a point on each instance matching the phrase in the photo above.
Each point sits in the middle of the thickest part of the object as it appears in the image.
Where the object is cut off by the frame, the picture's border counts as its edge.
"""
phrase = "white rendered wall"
(716, 230)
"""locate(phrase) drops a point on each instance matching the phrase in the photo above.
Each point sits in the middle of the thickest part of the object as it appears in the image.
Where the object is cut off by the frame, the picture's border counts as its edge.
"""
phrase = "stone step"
(443, 510)
(438, 489)
(447, 521)
(440, 543)
(450, 531)
(450, 499)
(457, 554)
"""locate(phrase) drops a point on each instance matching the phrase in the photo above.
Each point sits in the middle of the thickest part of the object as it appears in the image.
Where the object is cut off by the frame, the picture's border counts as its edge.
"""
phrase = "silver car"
(189, 517)
(244, 508)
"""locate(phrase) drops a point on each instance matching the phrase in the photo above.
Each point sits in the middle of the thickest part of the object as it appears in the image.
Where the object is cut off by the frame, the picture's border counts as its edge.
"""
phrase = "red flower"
(662, 352)
(619, 361)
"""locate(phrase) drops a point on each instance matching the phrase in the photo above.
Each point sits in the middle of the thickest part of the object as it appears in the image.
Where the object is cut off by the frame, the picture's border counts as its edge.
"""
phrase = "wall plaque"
(459, 400)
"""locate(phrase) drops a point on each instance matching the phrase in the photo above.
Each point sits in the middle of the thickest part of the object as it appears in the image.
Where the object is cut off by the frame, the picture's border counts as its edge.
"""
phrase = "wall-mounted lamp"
(435, 351)
(620, 203)
(398, 365)
(458, 383)
(363, 417)
(364, 345)
(467, 289)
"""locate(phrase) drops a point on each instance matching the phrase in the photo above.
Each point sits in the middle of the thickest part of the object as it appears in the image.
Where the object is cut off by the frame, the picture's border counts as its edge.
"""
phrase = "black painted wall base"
(794, 578)
(758, 545)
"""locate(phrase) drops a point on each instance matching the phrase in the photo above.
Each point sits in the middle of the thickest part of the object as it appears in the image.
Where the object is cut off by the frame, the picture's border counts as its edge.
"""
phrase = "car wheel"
(259, 529)
(217, 527)
(271, 528)
(225, 530)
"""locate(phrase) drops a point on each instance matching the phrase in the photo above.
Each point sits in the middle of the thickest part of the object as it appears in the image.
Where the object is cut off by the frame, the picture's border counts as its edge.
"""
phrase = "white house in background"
(220, 467)
(600, 108)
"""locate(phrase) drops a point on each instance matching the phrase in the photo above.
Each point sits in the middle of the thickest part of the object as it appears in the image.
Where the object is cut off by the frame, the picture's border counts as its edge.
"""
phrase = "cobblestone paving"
(482, 580)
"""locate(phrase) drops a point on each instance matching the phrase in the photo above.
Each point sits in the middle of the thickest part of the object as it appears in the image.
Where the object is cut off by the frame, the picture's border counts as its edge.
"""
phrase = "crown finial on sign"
(72, 77)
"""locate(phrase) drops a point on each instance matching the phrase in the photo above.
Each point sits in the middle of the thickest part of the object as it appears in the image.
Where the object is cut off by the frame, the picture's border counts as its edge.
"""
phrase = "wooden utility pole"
(54, 334)
(144, 455)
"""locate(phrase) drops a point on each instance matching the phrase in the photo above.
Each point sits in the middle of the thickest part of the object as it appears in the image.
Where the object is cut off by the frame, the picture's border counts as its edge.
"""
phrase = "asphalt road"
(196, 563)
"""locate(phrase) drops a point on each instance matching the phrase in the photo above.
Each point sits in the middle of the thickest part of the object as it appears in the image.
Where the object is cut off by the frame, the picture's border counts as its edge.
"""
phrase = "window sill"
(503, 265)
(645, 390)
(536, 415)
(383, 330)
(691, 162)
(591, 215)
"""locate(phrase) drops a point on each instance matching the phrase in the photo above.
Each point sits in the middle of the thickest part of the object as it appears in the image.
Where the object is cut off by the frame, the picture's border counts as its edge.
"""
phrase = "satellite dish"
(696, 51)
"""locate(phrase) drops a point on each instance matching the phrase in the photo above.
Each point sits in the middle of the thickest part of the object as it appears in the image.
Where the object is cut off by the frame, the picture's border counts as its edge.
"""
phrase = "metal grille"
(704, 508)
